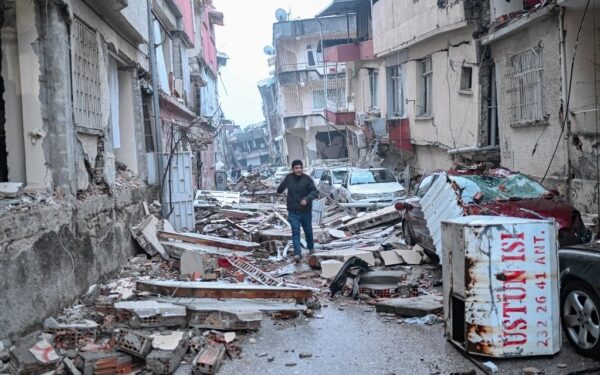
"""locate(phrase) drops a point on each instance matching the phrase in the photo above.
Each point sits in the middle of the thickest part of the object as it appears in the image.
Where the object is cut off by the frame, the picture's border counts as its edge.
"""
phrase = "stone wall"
(51, 254)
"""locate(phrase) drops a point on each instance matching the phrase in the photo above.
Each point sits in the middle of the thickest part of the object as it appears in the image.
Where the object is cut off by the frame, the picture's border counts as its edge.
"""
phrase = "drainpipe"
(565, 85)
(156, 109)
(325, 80)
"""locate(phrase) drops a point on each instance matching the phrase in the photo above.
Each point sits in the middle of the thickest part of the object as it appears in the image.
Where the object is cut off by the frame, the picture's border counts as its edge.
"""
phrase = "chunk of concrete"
(168, 352)
(10, 189)
(391, 258)
(145, 314)
(330, 268)
(414, 306)
(412, 257)
(194, 261)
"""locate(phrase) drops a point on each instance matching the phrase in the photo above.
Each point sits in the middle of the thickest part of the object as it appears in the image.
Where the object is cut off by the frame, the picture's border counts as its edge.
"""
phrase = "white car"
(367, 186)
(331, 182)
(315, 174)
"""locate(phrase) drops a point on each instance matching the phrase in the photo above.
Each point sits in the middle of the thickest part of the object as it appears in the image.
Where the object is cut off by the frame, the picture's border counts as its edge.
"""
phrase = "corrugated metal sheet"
(440, 203)
(501, 292)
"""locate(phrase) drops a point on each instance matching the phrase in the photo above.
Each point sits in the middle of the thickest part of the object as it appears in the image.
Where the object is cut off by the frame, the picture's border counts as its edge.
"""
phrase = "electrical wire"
(566, 112)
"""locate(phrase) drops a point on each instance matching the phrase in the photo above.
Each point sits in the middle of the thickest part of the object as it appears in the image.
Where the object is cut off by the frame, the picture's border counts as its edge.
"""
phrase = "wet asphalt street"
(353, 339)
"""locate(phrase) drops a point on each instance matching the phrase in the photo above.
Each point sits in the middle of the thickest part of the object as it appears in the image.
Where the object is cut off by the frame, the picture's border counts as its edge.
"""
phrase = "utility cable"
(566, 111)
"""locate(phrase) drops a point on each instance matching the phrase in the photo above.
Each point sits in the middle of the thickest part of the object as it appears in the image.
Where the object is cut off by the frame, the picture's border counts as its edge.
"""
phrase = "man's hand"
(303, 202)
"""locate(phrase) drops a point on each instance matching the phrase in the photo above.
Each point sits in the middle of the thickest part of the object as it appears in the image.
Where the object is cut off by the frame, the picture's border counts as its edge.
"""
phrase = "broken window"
(85, 76)
(466, 78)
(425, 72)
(524, 74)
(490, 188)
(396, 91)
(374, 87)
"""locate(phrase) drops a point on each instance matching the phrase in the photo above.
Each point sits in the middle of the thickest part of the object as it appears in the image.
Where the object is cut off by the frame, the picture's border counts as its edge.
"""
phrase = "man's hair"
(297, 162)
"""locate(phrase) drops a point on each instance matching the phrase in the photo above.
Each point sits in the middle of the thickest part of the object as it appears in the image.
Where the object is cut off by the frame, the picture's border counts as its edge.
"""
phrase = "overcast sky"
(248, 28)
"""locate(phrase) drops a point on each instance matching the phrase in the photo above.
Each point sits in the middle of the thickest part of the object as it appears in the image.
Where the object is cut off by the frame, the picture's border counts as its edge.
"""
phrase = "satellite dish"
(281, 15)
(269, 51)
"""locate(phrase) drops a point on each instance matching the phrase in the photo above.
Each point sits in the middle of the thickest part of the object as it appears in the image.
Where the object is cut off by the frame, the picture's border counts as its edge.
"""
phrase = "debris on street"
(195, 296)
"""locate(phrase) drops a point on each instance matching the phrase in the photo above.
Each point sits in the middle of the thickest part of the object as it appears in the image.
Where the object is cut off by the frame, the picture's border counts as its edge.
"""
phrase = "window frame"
(396, 91)
(525, 87)
(425, 71)
(374, 87)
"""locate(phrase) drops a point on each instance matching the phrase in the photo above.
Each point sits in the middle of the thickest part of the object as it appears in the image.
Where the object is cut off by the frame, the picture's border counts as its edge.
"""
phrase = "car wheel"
(580, 308)
(407, 233)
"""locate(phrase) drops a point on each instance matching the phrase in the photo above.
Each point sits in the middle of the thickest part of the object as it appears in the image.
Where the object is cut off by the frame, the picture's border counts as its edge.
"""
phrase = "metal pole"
(324, 80)
(156, 108)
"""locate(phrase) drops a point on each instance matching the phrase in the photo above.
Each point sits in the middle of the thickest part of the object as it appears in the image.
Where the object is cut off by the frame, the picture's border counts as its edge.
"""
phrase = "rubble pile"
(192, 299)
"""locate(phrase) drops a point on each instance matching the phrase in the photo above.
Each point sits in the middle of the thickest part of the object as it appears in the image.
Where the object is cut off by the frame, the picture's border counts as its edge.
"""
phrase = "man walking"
(301, 192)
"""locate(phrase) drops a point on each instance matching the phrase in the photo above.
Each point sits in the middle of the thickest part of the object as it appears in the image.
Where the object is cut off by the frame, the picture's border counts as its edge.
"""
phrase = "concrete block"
(391, 258)
(134, 343)
(193, 261)
(10, 189)
(225, 320)
(144, 314)
(209, 359)
(330, 268)
(69, 336)
(168, 352)
(414, 306)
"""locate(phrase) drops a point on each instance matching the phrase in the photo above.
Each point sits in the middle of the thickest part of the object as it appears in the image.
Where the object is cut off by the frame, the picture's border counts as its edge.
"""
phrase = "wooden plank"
(219, 290)
(221, 243)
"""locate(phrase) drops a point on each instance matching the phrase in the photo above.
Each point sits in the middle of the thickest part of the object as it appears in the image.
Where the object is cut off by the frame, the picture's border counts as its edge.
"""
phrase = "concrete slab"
(10, 189)
(330, 268)
(414, 306)
(344, 254)
(391, 258)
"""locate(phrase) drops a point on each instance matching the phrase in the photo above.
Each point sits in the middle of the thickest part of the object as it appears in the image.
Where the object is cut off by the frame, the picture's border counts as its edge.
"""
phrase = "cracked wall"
(51, 254)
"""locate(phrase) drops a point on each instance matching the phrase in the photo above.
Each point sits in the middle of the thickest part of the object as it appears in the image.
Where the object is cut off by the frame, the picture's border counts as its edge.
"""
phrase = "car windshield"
(371, 177)
(338, 176)
(514, 187)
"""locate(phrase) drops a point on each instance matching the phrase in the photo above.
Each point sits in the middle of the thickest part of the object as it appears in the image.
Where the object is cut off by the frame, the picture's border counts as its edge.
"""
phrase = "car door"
(416, 216)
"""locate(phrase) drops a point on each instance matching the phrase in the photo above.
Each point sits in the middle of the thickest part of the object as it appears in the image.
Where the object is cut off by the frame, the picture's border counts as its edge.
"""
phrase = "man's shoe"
(297, 258)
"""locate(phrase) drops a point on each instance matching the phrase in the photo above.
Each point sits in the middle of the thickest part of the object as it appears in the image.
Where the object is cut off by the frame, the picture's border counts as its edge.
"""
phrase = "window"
(374, 87)
(524, 74)
(318, 99)
(466, 78)
(325, 176)
(425, 72)
(313, 57)
(396, 80)
(85, 76)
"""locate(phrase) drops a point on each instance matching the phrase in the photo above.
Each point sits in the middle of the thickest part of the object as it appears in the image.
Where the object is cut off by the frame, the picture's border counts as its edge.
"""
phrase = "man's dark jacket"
(299, 188)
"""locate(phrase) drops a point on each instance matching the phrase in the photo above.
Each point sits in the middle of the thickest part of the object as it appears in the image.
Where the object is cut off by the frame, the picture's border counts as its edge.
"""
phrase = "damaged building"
(87, 128)
(312, 93)
(249, 146)
(72, 118)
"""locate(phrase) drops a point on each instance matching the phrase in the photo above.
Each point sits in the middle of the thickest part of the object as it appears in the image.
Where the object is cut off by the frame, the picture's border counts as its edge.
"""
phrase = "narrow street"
(200, 187)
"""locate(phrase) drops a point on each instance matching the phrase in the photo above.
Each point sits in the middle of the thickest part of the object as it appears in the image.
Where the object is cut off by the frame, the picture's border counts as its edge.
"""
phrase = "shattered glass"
(513, 187)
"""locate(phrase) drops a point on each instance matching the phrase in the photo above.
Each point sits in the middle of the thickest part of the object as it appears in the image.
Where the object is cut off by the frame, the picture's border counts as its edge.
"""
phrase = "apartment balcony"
(339, 113)
(350, 52)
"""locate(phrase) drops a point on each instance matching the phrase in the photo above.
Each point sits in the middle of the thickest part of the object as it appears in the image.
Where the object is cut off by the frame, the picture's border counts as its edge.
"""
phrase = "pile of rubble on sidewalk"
(189, 303)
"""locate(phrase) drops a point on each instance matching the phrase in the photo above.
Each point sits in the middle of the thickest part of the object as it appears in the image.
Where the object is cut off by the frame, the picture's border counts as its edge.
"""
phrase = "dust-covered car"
(331, 182)
(368, 186)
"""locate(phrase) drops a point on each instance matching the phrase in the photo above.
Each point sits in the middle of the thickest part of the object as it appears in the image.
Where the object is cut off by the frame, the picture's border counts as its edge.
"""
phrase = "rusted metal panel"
(501, 293)
(440, 203)
(220, 290)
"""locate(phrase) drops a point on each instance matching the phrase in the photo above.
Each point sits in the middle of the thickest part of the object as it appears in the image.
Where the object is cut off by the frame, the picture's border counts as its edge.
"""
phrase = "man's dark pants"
(304, 219)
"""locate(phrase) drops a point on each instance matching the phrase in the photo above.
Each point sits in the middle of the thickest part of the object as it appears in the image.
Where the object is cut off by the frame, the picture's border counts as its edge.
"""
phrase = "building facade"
(312, 94)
